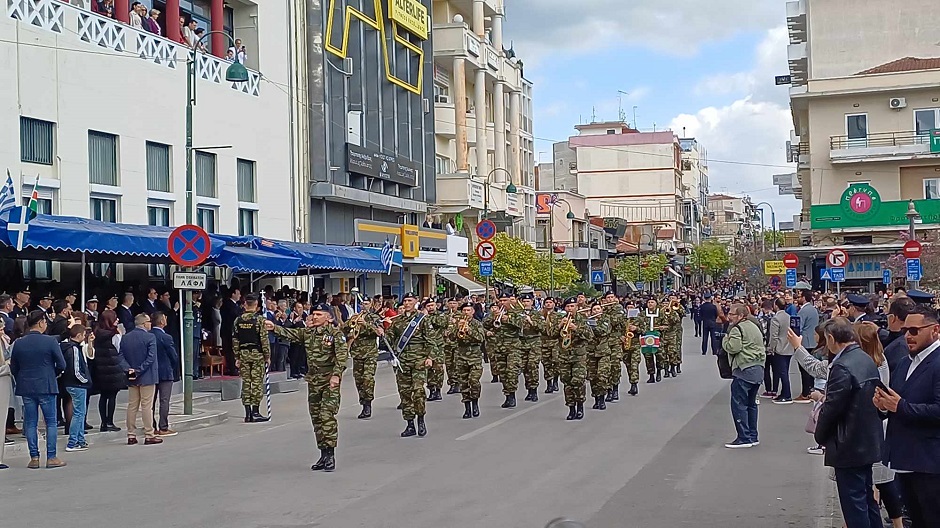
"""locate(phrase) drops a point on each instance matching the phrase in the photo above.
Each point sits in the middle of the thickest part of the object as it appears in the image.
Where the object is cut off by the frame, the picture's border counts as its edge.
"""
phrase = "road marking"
(503, 420)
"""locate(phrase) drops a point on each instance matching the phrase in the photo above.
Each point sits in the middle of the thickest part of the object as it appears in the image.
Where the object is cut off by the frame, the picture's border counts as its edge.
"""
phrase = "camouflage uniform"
(670, 338)
(436, 324)
(631, 355)
(642, 322)
(252, 350)
(327, 352)
(412, 375)
(618, 328)
(598, 357)
(530, 352)
(549, 344)
(571, 361)
(364, 352)
(469, 358)
(450, 351)
(505, 348)
(678, 349)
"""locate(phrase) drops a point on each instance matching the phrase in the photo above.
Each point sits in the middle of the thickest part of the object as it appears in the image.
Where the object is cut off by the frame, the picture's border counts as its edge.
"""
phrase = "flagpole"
(83, 281)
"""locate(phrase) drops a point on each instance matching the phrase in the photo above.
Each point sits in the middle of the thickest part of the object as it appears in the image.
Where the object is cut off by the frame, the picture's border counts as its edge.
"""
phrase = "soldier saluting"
(252, 355)
(327, 352)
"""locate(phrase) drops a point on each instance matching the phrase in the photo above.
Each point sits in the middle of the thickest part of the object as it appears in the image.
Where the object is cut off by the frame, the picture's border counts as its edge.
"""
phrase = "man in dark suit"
(708, 313)
(229, 312)
(895, 346)
(124, 311)
(149, 305)
(850, 427)
(912, 404)
(168, 367)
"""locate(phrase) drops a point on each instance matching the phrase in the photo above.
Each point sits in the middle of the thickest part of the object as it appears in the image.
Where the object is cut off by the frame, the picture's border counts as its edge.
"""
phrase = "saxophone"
(628, 338)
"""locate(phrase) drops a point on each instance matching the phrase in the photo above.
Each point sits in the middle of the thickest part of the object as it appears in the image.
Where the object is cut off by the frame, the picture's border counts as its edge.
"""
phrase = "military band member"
(548, 318)
(677, 335)
(598, 356)
(450, 348)
(410, 334)
(490, 352)
(573, 334)
(252, 351)
(436, 324)
(631, 354)
(618, 329)
(671, 321)
(362, 331)
(649, 320)
(327, 352)
(506, 325)
(467, 334)
(531, 351)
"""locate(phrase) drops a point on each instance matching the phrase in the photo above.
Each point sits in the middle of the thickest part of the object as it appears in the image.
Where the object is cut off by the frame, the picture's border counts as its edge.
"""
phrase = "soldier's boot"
(615, 392)
(318, 465)
(467, 410)
(247, 414)
(601, 404)
(475, 408)
(256, 415)
(366, 410)
(528, 395)
(495, 379)
(610, 395)
(399, 406)
(676, 370)
(409, 429)
(555, 384)
(666, 372)
(329, 464)
(454, 389)
(510, 401)
(548, 386)
(572, 411)
(659, 375)
(633, 390)
(422, 429)
(579, 413)
(652, 378)
(596, 402)
(533, 395)
(435, 395)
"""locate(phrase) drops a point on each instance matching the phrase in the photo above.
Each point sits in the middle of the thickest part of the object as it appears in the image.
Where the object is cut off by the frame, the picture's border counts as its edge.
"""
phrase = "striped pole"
(267, 389)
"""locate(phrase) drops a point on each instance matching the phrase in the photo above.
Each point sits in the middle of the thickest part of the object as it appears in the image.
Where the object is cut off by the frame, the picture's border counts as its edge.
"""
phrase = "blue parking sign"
(914, 271)
(791, 278)
(486, 268)
(886, 276)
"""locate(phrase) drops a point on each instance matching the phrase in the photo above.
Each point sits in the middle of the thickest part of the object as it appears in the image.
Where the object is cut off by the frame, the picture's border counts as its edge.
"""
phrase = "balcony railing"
(882, 139)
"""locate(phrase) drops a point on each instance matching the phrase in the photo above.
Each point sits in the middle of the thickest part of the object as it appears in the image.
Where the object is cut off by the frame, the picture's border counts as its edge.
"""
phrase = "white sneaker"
(755, 443)
(817, 450)
(76, 448)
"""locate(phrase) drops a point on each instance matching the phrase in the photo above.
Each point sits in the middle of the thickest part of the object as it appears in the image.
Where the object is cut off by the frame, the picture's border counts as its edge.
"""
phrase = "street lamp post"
(639, 252)
(236, 72)
(912, 215)
(551, 241)
(510, 189)
(773, 221)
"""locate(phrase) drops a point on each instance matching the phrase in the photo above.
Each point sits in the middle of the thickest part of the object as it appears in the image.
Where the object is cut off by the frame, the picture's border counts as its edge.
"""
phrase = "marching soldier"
(252, 355)
(450, 348)
(573, 334)
(410, 335)
(631, 355)
(677, 354)
(506, 326)
(618, 329)
(436, 324)
(530, 353)
(671, 321)
(467, 334)
(598, 356)
(490, 351)
(327, 352)
(548, 319)
(361, 331)
(649, 329)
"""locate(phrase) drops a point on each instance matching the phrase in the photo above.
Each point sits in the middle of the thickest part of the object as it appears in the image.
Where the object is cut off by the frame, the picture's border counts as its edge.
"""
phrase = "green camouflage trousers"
(529, 357)
(252, 373)
(598, 369)
(669, 352)
(364, 374)
(450, 363)
(631, 358)
(469, 370)
(572, 372)
(436, 372)
(493, 354)
(549, 359)
(508, 363)
(410, 380)
(653, 362)
(678, 356)
(323, 404)
(613, 363)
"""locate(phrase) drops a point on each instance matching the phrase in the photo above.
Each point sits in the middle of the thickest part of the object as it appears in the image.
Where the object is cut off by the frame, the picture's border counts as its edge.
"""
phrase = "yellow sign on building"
(411, 15)
(410, 235)
(774, 267)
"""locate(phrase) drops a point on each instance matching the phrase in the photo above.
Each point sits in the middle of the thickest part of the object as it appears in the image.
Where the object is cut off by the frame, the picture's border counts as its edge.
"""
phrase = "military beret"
(571, 300)
(505, 295)
(322, 307)
(252, 298)
(466, 305)
(408, 296)
(526, 296)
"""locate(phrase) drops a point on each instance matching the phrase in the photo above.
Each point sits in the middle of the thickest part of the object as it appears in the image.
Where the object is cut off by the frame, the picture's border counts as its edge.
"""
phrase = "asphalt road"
(656, 460)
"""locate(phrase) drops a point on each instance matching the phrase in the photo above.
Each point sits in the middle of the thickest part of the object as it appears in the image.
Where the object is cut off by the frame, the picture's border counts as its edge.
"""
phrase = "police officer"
(252, 355)
(859, 308)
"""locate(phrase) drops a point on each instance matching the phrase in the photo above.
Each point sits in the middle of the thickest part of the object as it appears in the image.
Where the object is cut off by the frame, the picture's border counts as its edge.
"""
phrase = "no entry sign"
(912, 249)
(791, 261)
(189, 245)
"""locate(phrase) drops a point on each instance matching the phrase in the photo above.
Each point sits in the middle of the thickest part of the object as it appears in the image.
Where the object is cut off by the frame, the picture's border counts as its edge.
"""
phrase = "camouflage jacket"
(437, 323)
(360, 331)
(581, 336)
(325, 345)
(250, 339)
(530, 330)
(468, 341)
(601, 326)
(618, 324)
(510, 329)
(452, 318)
(422, 343)
(547, 322)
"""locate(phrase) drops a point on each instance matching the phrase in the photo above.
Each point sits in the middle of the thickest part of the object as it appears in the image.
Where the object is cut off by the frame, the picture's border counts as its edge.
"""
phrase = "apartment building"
(732, 219)
(694, 191)
(483, 140)
(865, 108)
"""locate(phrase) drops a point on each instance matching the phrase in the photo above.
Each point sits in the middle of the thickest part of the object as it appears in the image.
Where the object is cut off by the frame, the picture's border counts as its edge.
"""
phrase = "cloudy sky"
(708, 67)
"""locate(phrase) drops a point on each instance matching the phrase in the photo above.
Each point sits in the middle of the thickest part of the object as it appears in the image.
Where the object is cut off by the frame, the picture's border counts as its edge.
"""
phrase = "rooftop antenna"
(593, 114)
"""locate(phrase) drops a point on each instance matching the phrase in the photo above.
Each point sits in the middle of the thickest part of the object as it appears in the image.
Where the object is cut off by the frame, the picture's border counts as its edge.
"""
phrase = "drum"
(649, 343)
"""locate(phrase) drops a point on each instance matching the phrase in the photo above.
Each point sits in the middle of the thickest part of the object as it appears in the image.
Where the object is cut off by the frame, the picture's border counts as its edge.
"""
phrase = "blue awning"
(247, 260)
(323, 257)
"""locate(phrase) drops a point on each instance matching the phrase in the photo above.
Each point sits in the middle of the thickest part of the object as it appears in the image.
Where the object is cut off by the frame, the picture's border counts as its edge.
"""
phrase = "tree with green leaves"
(712, 257)
(651, 268)
(519, 263)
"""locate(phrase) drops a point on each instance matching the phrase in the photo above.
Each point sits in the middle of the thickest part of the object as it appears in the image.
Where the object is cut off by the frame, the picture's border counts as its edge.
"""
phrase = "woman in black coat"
(109, 370)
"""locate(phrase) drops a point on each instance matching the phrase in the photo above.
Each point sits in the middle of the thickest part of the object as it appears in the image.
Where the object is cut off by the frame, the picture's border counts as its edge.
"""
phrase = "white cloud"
(770, 60)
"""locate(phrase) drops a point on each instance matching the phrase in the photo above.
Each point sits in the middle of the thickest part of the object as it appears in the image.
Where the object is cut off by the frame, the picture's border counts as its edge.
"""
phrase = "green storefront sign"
(861, 206)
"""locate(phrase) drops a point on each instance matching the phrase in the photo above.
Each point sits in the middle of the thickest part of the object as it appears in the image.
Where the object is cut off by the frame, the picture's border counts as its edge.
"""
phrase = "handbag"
(813, 417)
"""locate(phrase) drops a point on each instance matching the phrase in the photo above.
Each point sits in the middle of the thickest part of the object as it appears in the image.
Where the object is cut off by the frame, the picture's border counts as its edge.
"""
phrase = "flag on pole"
(387, 256)
(7, 197)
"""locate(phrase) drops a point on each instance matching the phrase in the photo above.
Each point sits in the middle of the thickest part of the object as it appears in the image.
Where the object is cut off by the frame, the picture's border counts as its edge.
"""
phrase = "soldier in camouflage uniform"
(631, 354)
(598, 357)
(574, 335)
(618, 329)
(547, 320)
(467, 334)
(409, 334)
(671, 320)
(505, 325)
(677, 356)
(361, 331)
(531, 350)
(327, 352)
(436, 325)
(642, 323)
(450, 348)
(252, 350)
(491, 353)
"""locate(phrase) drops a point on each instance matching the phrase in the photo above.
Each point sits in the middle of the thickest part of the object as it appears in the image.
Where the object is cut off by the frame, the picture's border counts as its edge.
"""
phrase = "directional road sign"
(189, 245)
(597, 277)
(912, 249)
(790, 260)
(486, 268)
(837, 258)
(791, 278)
(886, 276)
(486, 250)
(838, 274)
(774, 267)
(913, 269)
(486, 229)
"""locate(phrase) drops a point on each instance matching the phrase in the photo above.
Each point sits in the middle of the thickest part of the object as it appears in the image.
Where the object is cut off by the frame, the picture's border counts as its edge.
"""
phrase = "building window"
(158, 216)
(205, 218)
(158, 167)
(856, 129)
(926, 120)
(932, 189)
(442, 165)
(205, 175)
(38, 269)
(104, 209)
(36, 141)
(247, 219)
(102, 158)
(441, 94)
(246, 181)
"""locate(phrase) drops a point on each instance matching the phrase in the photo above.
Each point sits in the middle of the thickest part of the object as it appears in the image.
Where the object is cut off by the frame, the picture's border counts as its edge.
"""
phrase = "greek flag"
(7, 197)
(388, 254)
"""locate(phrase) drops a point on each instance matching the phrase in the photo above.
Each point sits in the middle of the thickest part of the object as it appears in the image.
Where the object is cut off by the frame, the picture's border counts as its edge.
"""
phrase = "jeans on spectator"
(197, 358)
(140, 399)
(698, 327)
(806, 380)
(279, 356)
(32, 405)
(164, 391)
(781, 374)
(77, 425)
(857, 498)
(744, 409)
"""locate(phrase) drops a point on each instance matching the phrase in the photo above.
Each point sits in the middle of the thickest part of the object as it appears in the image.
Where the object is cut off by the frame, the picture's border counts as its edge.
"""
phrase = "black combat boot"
(436, 395)
(555, 384)
(615, 393)
(659, 375)
(601, 404)
(366, 410)
(467, 411)
(652, 378)
(666, 372)
(579, 413)
(454, 389)
(422, 429)
(596, 402)
(409, 429)
(510, 401)
(572, 412)
(475, 407)
(248, 416)
(533, 395)
(610, 395)
(256, 415)
(318, 465)
(528, 395)
(495, 379)
(633, 390)
(676, 370)
(548, 386)
(329, 464)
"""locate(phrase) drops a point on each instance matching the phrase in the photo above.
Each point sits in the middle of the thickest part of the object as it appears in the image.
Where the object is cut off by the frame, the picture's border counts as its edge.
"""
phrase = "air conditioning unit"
(897, 103)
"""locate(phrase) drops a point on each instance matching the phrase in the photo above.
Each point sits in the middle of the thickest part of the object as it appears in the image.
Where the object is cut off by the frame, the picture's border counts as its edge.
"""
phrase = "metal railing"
(882, 139)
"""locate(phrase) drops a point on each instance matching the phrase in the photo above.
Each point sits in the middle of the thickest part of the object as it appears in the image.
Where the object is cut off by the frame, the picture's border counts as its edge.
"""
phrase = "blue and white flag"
(387, 256)
(18, 225)
(7, 197)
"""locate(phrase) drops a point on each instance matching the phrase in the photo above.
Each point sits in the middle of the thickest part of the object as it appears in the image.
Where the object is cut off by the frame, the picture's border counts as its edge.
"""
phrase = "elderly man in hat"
(327, 352)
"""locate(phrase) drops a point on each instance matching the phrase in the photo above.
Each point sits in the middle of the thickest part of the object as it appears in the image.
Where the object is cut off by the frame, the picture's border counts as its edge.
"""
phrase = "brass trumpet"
(463, 331)
(497, 322)
(565, 333)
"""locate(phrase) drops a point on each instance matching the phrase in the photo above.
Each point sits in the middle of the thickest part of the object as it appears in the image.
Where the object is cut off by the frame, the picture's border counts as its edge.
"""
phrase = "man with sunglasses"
(912, 405)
